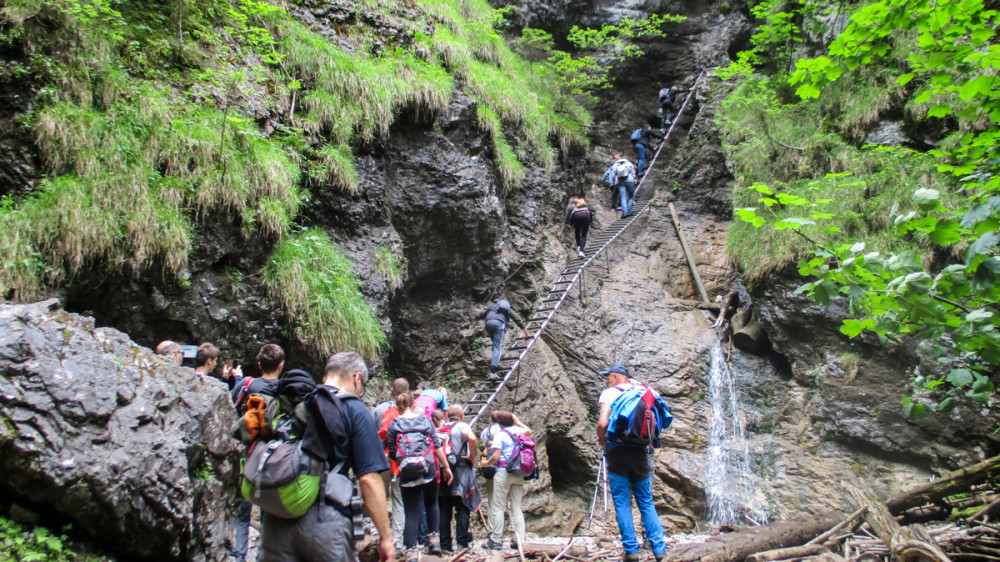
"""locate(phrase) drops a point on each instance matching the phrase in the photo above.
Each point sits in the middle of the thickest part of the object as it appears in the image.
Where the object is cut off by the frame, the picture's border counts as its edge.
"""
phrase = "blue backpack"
(636, 135)
(638, 416)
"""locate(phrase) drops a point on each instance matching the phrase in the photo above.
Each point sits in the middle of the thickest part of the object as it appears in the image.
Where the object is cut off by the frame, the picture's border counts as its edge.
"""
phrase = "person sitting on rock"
(579, 216)
(629, 473)
(497, 316)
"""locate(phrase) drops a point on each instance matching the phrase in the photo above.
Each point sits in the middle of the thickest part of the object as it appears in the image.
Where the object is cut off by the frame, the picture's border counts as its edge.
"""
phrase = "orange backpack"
(383, 434)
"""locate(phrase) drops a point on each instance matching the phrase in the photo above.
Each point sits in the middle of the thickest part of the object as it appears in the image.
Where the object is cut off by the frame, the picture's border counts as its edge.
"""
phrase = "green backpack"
(281, 478)
(278, 475)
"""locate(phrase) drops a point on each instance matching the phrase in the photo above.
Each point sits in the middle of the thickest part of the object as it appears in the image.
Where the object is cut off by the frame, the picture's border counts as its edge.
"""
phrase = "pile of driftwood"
(949, 519)
(963, 503)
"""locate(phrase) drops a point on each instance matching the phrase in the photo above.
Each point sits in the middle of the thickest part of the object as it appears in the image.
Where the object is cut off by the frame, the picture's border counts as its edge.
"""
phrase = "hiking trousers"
(416, 499)
(581, 226)
(323, 534)
(507, 486)
(640, 149)
(241, 539)
(496, 329)
(626, 191)
(621, 492)
(454, 504)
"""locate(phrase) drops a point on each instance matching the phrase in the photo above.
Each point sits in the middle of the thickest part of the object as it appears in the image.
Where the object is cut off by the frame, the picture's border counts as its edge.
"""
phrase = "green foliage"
(319, 289)
(24, 544)
(391, 267)
(930, 272)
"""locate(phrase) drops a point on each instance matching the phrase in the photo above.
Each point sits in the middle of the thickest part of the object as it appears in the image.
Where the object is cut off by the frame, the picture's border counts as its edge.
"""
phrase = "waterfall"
(731, 489)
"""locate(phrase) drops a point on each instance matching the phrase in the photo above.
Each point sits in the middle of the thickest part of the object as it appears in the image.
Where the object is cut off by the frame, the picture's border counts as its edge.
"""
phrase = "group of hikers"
(414, 452)
(305, 437)
(622, 175)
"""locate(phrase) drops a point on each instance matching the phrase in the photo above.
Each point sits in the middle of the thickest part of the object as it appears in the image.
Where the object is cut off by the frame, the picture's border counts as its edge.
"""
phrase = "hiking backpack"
(414, 452)
(664, 94)
(281, 478)
(279, 475)
(522, 462)
(636, 135)
(623, 170)
(488, 471)
(638, 416)
(449, 446)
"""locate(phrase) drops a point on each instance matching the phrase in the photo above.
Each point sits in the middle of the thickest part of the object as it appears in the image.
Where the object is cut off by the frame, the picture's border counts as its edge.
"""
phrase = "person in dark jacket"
(667, 97)
(645, 144)
(579, 215)
(497, 316)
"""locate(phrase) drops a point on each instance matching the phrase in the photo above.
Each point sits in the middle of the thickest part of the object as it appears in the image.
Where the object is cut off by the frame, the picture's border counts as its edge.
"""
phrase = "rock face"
(131, 450)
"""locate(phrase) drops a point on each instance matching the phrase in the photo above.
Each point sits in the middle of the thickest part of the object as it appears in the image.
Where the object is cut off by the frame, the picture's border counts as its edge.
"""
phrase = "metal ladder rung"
(559, 298)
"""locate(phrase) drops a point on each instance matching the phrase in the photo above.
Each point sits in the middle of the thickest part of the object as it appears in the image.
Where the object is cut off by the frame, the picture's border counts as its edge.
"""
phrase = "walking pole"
(604, 462)
(597, 487)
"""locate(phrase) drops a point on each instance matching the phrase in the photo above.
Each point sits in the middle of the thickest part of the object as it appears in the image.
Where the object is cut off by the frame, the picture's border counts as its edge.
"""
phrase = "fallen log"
(958, 481)
(786, 553)
(738, 546)
(536, 550)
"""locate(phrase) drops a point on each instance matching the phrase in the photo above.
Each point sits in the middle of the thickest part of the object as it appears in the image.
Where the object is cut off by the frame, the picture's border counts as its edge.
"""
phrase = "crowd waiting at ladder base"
(317, 460)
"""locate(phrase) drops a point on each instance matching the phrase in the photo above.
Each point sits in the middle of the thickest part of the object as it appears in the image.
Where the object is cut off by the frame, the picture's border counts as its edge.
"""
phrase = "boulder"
(134, 451)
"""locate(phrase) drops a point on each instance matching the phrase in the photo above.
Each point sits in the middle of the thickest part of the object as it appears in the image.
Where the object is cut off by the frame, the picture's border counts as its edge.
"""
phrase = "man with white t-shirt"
(629, 473)
(463, 496)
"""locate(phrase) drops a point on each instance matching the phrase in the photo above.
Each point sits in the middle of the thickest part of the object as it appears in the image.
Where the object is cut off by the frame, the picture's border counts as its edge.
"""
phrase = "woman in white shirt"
(505, 485)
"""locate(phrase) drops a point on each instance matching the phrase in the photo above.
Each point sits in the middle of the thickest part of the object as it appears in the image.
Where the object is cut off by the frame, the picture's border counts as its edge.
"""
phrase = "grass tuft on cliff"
(150, 119)
(318, 287)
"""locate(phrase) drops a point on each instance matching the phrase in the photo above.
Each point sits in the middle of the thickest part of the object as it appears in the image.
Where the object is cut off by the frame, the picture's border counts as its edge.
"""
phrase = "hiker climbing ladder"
(484, 396)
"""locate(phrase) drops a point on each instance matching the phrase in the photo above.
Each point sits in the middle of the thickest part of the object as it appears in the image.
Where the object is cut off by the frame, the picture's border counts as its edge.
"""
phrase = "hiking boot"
(660, 557)
(413, 555)
(434, 544)
(581, 254)
(492, 545)
(631, 557)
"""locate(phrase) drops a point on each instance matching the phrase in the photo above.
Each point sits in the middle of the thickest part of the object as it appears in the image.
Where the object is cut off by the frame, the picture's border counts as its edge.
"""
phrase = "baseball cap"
(616, 368)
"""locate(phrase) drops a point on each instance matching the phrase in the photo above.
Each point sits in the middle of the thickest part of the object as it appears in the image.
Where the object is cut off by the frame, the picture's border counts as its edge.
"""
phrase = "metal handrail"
(561, 288)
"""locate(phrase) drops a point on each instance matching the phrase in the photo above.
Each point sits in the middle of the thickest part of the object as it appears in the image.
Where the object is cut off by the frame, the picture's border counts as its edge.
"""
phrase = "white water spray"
(732, 498)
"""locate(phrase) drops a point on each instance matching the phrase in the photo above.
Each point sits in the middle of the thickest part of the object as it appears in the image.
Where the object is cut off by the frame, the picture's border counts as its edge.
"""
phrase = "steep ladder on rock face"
(486, 394)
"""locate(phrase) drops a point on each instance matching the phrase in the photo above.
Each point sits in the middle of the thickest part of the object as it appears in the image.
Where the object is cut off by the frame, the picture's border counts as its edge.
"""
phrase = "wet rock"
(135, 452)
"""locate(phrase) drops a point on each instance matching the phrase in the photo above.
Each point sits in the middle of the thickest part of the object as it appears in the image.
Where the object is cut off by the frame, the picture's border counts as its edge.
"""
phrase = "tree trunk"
(958, 481)
(737, 546)
(748, 334)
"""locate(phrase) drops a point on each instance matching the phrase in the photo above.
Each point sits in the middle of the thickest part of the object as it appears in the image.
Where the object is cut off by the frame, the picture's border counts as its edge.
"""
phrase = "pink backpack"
(522, 461)
(427, 403)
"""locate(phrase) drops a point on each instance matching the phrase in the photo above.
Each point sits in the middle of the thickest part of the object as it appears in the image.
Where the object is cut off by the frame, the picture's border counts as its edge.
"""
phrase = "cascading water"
(732, 497)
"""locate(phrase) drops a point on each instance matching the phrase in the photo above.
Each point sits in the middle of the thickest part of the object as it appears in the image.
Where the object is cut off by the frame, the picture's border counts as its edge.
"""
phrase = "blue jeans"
(641, 149)
(621, 493)
(626, 191)
(240, 541)
(495, 329)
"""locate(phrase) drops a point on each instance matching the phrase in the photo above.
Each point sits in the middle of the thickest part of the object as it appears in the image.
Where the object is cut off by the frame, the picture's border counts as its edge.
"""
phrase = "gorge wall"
(819, 409)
